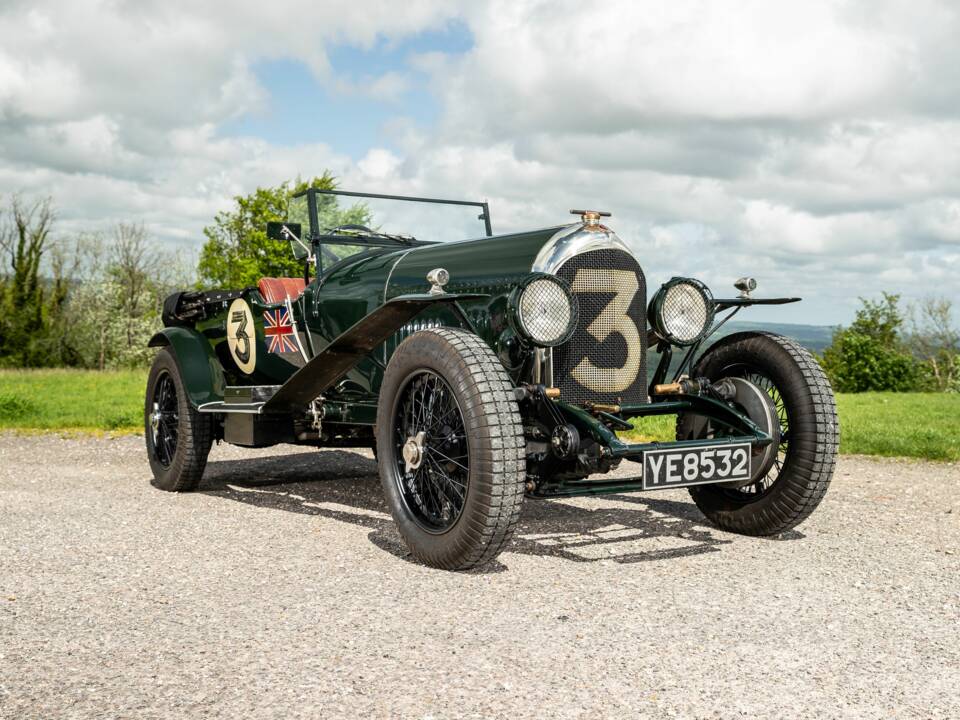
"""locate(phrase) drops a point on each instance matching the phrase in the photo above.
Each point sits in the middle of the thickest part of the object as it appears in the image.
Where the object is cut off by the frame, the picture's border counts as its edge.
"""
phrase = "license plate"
(695, 466)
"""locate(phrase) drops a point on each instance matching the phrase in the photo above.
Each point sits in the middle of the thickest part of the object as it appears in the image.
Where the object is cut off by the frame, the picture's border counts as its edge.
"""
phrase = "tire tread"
(814, 429)
(496, 424)
(195, 433)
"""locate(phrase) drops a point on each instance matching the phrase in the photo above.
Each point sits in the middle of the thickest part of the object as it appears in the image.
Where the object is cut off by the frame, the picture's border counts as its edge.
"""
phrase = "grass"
(923, 425)
(72, 400)
(919, 425)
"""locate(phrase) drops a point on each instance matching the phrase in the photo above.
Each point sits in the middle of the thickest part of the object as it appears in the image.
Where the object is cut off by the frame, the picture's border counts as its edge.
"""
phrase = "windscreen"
(420, 219)
(331, 213)
(429, 222)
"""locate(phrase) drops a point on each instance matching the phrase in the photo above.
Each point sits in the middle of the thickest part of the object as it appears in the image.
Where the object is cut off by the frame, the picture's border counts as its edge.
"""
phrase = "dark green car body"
(356, 312)
(348, 292)
(487, 370)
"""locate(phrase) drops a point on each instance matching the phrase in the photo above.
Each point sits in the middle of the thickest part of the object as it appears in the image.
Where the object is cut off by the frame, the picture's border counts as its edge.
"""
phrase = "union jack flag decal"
(279, 329)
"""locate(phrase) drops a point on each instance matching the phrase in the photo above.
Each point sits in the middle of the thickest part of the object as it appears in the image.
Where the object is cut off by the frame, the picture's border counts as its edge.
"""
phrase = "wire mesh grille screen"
(605, 359)
(687, 311)
(544, 309)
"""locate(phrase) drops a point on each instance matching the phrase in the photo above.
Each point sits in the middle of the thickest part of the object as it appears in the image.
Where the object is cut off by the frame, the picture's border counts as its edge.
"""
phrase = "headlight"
(544, 310)
(682, 311)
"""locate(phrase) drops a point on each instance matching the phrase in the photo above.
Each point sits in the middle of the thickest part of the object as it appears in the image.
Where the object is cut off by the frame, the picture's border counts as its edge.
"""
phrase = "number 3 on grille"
(612, 319)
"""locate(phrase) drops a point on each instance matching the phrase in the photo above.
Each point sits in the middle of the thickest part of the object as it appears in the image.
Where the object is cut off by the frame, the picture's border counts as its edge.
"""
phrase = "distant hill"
(812, 337)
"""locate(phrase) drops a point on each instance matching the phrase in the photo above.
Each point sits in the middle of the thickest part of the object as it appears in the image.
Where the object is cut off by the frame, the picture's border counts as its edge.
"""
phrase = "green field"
(892, 424)
(924, 425)
(72, 400)
(920, 425)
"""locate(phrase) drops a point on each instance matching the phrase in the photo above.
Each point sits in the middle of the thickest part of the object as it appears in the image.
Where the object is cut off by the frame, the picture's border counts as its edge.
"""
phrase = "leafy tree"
(238, 253)
(24, 237)
(136, 268)
(65, 259)
(102, 335)
(880, 319)
(934, 339)
(870, 354)
(114, 304)
(83, 302)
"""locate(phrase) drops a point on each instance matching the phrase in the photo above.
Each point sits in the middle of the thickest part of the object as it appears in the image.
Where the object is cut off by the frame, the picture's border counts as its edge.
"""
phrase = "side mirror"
(289, 231)
(283, 230)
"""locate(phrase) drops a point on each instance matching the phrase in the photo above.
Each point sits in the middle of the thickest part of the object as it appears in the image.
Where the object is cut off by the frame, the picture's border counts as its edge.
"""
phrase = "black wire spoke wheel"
(432, 452)
(450, 448)
(164, 420)
(178, 438)
(798, 478)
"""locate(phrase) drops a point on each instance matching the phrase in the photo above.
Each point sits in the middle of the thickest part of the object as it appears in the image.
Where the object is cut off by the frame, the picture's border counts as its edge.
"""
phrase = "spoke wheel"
(178, 438)
(450, 448)
(800, 474)
(164, 420)
(432, 453)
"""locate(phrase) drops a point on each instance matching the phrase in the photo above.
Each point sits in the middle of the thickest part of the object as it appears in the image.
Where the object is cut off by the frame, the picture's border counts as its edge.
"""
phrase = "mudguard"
(200, 369)
(351, 346)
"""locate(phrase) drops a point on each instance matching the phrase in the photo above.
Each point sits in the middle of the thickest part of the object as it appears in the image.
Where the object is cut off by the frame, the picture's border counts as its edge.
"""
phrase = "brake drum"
(757, 405)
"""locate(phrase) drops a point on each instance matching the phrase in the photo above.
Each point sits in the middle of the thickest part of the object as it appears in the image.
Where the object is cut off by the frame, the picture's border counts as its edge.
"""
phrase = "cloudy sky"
(814, 145)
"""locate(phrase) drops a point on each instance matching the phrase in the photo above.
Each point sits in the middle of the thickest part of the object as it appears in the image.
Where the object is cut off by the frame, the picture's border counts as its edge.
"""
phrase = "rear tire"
(810, 434)
(447, 399)
(178, 438)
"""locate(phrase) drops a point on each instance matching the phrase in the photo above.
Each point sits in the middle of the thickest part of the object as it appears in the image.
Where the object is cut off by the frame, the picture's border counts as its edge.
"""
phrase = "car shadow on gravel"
(343, 485)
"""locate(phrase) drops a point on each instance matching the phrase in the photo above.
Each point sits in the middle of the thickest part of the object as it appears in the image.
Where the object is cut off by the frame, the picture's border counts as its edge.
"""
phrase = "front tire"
(178, 437)
(450, 449)
(809, 435)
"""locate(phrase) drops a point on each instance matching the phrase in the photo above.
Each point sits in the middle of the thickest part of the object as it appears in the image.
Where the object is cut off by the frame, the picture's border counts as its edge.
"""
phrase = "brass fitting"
(668, 389)
(590, 218)
(603, 407)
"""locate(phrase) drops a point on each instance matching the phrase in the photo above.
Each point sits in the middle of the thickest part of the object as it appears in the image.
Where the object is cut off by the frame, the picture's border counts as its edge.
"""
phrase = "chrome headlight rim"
(522, 326)
(659, 324)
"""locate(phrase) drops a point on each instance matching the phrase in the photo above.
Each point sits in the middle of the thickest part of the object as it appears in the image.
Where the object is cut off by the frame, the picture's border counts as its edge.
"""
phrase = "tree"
(23, 320)
(135, 267)
(80, 301)
(237, 252)
(870, 354)
(934, 339)
(65, 262)
(101, 334)
(114, 304)
(880, 319)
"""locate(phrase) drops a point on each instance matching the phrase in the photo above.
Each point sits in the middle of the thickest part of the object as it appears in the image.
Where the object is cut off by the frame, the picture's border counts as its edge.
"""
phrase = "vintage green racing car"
(488, 370)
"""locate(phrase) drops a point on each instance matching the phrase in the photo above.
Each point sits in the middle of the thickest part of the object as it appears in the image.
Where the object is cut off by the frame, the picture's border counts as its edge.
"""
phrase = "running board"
(328, 366)
(248, 399)
(225, 407)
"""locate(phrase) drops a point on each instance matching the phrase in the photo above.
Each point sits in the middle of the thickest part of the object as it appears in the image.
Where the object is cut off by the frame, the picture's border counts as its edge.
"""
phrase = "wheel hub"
(759, 407)
(163, 420)
(413, 450)
(155, 420)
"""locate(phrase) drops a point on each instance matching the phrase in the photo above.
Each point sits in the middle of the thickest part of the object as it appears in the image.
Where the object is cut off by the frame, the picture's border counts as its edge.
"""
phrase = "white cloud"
(815, 144)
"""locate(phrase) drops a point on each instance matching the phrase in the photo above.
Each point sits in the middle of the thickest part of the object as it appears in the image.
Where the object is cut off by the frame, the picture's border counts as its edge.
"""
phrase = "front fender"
(347, 349)
(200, 370)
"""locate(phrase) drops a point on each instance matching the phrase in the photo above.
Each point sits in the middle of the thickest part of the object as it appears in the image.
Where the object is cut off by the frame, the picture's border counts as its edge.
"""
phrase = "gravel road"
(281, 589)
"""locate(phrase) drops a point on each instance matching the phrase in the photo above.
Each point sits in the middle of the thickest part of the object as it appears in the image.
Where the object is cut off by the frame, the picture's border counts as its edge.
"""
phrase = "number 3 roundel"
(241, 335)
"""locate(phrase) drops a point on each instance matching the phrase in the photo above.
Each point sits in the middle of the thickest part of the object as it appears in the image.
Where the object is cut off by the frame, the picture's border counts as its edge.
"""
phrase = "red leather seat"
(277, 290)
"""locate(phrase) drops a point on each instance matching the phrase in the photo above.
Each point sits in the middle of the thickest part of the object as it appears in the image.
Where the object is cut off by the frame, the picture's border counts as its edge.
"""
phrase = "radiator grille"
(605, 359)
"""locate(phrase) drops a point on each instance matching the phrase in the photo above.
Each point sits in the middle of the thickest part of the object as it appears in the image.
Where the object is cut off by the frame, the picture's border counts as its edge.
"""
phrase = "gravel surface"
(281, 589)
